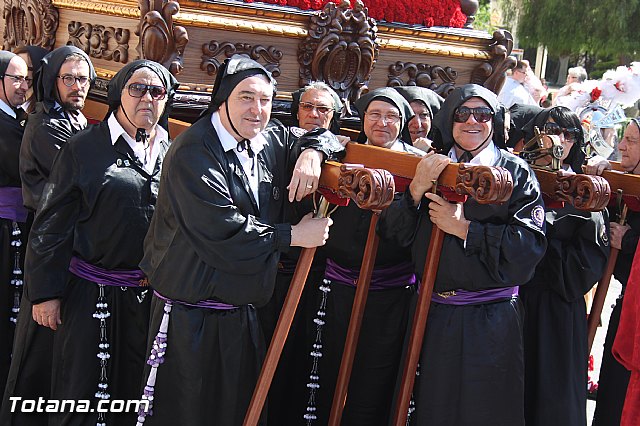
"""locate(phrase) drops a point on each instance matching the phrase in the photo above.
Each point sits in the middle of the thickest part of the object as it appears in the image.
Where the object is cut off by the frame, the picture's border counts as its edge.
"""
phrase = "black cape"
(97, 206)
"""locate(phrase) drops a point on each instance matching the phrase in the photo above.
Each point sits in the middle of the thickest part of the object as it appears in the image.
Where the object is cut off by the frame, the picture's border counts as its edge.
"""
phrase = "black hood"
(431, 99)
(334, 127)
(443, 121)
(232, 71)
(5, 58)
(118, 82)
(520, 115)
(391, 96)
(576, 156)
(47, 75)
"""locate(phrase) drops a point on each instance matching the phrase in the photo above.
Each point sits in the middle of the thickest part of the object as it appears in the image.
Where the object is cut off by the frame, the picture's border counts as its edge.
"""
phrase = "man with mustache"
(13, 216)
(62, 85)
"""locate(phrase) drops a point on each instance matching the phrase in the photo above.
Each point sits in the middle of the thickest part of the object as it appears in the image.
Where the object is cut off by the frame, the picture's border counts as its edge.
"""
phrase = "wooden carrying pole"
(282, 328)
(603, 288)
(353, 332)
(418, 327)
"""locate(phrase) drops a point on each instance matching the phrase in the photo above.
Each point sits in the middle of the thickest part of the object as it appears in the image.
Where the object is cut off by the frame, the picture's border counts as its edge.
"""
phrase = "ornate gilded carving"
(340, 49)
(29, 22)
(487, 185)
(95, 40)
(370, 189)
(491, 73)
(160, 39)
(423, 75)
(215, 52)
(584, 192)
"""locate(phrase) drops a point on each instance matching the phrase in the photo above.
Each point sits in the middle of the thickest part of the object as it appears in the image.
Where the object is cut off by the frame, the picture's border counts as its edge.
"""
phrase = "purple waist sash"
(11, 204)
(206, 304)
(382, 278)
(465, 297)
(116, 278)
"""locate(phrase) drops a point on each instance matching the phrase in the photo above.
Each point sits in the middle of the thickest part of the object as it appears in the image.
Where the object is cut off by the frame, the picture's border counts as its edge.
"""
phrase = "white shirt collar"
(116, 130)
(7, 109)
(229, 142)
(487, 157)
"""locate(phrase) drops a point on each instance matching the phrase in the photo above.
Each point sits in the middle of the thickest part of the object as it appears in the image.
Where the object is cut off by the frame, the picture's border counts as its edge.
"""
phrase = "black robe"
(10, 139)
(45, 132)
(377, 359)
(614, 378)
(97, 206)
(555, 326)
(209, 240)
(463, 379)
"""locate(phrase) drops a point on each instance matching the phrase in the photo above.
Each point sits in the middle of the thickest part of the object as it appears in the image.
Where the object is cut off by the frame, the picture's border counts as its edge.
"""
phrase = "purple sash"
(115, 278)
(11, 204)
(382, 278)
(465, 297)
(206, 304)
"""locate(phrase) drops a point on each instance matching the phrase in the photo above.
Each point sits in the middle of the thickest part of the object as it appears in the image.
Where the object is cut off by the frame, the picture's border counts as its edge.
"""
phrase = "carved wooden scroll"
(215, 52)
(487, 185)
(160, 39)
(371, 189)
(99, 41)
(584, 192)
(491, 74)
(340, 49)
(423, 75)
(29, 22)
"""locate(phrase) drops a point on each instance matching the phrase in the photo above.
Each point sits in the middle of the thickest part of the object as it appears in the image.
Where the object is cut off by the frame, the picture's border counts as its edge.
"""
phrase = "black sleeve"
(51, 239)
(399, 221)
(575, 261)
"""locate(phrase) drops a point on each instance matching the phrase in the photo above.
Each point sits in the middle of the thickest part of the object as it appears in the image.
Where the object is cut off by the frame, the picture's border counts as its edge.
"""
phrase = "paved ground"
(598, 343)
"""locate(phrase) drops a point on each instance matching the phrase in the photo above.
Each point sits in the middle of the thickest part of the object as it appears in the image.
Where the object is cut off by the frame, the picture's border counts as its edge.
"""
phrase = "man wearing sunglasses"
(514, 91)
(86, 243)
(471, 367)
(56, 118)
(13, 215)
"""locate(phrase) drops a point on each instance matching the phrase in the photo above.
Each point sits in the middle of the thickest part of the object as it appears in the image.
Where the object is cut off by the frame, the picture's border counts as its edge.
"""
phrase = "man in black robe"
(614, 377)
(471, 366)
(57, 117)
(384, 115)
(314, 106)
(13, 216)
(94, 214)
(555, 325)
(212, 251)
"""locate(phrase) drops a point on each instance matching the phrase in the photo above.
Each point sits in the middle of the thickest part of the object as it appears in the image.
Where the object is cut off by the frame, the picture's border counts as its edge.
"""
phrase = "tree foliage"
(578, 26)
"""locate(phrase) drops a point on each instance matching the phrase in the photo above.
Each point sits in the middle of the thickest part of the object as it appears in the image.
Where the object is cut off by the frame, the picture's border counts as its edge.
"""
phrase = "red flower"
(595, 94)
(430, 13)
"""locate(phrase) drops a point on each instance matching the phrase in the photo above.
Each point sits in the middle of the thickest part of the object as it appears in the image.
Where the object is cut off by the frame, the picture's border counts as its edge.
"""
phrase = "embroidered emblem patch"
(276, 193)
(297, 131)
(537, 215)
(604, 236)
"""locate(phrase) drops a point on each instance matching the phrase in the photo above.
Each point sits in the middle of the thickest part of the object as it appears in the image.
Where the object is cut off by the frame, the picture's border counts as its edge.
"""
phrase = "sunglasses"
(570, 134)
(308, 107)
(138, 90)
(481, 114)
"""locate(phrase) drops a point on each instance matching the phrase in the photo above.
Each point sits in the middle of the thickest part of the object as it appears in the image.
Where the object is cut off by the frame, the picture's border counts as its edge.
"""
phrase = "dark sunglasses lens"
(461, 115)
(482, 115)
(156, 92)
(137, 90)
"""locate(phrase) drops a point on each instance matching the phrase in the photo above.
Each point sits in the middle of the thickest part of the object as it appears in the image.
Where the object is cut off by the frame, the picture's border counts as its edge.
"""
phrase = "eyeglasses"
(69, 80)
(19, 79)
(308, 107)
(376, 116)
(138, 90)
(570, 134)
(481, 114)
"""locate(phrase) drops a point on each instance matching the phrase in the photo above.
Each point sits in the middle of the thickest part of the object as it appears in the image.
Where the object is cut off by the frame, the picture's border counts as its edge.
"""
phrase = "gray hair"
(319, 85)
(579, 73)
